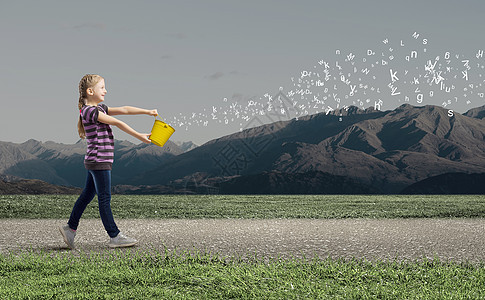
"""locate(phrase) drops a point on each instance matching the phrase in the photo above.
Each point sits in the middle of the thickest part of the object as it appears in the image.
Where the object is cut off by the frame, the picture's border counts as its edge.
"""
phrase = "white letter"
(393, 76)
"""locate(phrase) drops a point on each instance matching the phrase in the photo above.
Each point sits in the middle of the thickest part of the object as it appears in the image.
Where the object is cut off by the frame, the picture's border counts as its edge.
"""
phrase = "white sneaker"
(121, 240)
(68, 235)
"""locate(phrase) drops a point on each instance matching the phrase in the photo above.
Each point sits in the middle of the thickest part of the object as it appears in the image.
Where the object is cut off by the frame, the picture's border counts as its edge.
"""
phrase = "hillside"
(386, 150)
(449, 183)
(33, 187)
(62, 164)
(478, 112)
(313, 182)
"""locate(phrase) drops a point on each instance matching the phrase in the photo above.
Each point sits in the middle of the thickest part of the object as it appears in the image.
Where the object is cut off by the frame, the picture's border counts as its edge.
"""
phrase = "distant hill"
(33, 186)
(186, 146)
(449, 183)
(313, 182)
(478, 112)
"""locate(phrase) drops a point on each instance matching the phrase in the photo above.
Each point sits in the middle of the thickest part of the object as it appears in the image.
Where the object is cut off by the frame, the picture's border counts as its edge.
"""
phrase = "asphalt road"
(388, 239)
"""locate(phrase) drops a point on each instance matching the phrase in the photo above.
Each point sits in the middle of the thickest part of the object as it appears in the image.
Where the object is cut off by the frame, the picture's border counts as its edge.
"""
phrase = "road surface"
(388, 239)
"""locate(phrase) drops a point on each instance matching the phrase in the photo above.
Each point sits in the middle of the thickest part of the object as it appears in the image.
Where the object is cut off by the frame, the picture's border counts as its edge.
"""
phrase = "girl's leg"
(82, 202)
(102, 183)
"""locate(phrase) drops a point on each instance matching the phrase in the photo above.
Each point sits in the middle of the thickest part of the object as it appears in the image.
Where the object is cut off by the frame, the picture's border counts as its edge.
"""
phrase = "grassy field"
(118, 275)
(261, 207)
(193, 275)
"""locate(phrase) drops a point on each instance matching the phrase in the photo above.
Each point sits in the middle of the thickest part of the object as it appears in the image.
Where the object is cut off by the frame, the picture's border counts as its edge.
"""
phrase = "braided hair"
(88, 81)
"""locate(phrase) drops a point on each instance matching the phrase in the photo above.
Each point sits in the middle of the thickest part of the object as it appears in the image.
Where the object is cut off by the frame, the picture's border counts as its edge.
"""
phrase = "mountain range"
(360, 151)
(387, 150)
(62, 164)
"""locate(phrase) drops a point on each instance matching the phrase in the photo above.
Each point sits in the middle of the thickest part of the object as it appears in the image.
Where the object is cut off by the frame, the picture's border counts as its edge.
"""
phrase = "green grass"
(135, 275)
(261, 207)
(116, 275)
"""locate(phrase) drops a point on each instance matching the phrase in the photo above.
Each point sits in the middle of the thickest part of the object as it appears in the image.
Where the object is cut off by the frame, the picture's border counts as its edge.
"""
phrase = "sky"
(212, 68)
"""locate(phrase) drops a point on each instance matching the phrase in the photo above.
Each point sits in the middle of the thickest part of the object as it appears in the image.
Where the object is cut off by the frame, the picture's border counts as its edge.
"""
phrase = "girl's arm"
(106, 119)
(130, 110)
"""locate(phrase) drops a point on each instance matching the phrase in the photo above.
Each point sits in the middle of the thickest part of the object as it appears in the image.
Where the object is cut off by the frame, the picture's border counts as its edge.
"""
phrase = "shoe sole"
(61, 230)
(122, 245)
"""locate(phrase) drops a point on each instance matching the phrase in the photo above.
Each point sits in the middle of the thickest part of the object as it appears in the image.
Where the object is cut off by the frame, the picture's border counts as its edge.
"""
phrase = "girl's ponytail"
(88, 81)
(80, 126)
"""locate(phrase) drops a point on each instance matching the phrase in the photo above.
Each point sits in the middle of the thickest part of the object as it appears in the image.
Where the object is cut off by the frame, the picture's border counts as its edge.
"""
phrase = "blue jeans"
(97, 182)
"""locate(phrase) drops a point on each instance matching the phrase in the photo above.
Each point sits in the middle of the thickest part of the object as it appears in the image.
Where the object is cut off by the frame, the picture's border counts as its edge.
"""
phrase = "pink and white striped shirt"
(99, 137)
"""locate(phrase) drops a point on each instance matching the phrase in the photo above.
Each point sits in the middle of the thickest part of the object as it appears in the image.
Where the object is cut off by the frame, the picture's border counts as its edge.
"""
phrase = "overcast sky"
(196, 58)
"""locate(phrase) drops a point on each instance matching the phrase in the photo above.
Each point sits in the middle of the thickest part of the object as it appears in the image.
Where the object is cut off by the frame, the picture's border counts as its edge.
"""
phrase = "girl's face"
(96, 93)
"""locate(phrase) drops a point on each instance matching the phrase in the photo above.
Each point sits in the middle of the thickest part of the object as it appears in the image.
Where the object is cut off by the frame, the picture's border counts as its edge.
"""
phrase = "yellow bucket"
(161, 132)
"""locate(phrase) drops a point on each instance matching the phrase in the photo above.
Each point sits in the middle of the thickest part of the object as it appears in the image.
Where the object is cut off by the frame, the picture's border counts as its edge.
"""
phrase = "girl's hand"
(144, 137)
(153, 112)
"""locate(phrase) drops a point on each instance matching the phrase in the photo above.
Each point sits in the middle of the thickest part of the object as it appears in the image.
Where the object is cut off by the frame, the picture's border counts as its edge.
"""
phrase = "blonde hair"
(88, 81)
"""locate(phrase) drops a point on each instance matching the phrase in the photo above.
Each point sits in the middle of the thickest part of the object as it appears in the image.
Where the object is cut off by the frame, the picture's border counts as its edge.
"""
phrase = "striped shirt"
(99, 137)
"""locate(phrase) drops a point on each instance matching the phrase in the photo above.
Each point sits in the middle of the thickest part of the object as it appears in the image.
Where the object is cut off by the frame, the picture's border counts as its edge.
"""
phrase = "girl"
(94, 126)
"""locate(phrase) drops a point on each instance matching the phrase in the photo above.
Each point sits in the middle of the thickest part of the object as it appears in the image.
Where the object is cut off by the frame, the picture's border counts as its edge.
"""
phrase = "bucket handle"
(163, 121)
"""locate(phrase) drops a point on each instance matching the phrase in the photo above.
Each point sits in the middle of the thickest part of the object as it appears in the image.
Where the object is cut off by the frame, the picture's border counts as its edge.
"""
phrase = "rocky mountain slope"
(386, 150)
